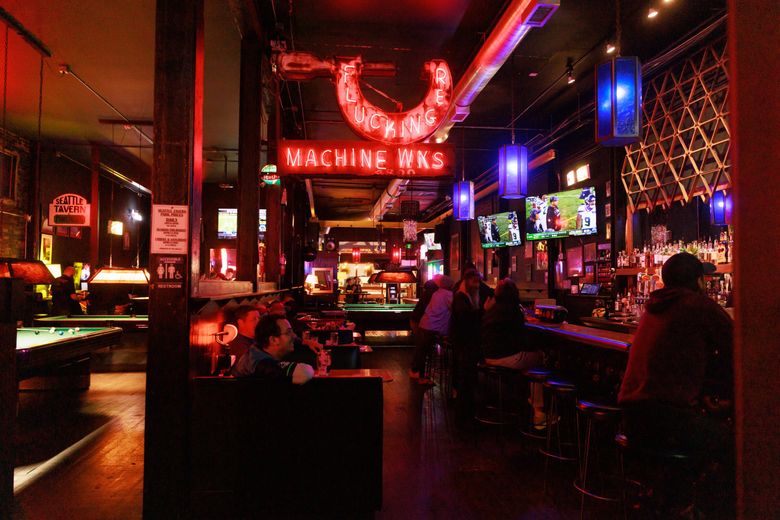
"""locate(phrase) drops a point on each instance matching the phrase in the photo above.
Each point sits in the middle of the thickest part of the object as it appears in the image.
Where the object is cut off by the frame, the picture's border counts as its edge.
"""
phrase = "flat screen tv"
(562, 214)
(499, 230)
(227, 223)
(430, 242)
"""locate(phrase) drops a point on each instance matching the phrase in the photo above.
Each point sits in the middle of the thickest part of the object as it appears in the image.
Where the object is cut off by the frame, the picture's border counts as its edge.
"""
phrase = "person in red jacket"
(678, 385)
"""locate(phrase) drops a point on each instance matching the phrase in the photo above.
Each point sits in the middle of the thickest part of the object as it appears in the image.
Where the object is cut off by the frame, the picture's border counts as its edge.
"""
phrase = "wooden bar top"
(608, 339)
(359, 372)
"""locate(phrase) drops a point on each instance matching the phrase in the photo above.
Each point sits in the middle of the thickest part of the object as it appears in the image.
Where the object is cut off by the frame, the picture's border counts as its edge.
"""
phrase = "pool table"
(374, 316)
(41, 350)
(124, 322)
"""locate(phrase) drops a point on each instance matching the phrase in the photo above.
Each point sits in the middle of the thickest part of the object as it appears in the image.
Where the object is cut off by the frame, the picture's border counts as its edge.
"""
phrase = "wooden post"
(249, 126)
(177, 134)
(94, 215)
(11, 301)
(754, 99)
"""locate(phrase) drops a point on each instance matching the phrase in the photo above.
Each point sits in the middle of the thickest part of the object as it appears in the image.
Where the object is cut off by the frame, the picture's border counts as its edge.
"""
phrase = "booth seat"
(270, 449)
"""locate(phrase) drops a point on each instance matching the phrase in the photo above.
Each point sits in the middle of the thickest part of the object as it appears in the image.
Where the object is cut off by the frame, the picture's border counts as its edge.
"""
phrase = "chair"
(492, 392)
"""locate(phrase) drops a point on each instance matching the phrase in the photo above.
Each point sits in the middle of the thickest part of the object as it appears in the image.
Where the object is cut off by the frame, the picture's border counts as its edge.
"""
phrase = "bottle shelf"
(633, 271)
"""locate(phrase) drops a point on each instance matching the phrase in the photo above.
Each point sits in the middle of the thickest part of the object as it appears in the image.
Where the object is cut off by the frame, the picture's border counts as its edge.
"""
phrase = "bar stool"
(444, 364)
(594, 479)
(559, 412)
(675, 467)
(533, 375)
(490, 411)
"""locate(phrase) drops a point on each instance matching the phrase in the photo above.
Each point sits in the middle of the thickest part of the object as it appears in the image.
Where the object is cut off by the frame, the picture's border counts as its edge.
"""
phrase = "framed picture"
(608, 189)
(529, 250)
(590, 252)
(47, 242)
(514, 264)
(61, 231)
(45, 227)
(454, 253)
(608, 233)
(607, 210)
(75, 232)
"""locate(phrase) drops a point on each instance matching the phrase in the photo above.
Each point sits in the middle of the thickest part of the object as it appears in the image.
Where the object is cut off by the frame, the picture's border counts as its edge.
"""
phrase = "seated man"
(274, 337)
(246, 318)
(303, 351)
(679, 380)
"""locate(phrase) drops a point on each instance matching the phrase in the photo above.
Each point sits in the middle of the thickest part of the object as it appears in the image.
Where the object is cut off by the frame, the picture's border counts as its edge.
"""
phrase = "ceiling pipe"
(393, 191)
(519, 17)
(310, 193)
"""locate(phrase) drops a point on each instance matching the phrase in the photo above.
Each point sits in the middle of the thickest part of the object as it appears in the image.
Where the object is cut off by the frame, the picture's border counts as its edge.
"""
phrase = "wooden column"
(94, 215)
(754, 99)
(272, 196)
(249, 123)
(11, 298)
(177, 134)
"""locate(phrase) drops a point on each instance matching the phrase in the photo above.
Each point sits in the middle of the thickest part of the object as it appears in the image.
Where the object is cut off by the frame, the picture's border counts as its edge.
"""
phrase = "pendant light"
(463, 194)
(512, 159)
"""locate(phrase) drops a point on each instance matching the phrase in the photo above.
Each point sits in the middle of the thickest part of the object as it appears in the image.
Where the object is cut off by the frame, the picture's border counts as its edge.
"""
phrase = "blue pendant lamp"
(720, 208)
(619, 101)
(463, 200)
(513, 171)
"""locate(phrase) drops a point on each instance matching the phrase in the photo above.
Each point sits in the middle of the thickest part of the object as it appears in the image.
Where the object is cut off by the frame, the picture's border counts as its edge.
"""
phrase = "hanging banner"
(69, 209)
(363, 158)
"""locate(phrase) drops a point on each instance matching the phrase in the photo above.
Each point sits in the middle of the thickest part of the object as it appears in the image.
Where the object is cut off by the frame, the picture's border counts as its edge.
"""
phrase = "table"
(372, 316)
(40, 351)
(125, 322)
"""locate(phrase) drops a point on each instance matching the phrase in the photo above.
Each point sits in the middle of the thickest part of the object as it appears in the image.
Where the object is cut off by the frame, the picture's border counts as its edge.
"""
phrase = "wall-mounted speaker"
(330, 244)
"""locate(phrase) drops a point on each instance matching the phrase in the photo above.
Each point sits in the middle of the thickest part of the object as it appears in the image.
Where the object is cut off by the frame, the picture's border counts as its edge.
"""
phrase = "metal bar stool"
(534, 375)
(491, 408)
(596, 479)
(559, 444)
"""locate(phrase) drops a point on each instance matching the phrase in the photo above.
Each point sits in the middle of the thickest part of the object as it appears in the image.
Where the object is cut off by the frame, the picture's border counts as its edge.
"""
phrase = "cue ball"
(61, 332)
(52, 330)
(77, 329)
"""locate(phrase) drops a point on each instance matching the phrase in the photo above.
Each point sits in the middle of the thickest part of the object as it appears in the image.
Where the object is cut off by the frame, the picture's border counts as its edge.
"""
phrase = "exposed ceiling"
(110, 45)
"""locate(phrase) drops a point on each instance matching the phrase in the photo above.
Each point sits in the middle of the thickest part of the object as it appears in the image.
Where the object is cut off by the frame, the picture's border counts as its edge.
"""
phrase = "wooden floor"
(431, 470)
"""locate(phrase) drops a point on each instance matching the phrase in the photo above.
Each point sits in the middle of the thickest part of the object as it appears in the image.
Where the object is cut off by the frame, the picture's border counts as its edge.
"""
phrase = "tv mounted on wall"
(561, 214)
(499, 230)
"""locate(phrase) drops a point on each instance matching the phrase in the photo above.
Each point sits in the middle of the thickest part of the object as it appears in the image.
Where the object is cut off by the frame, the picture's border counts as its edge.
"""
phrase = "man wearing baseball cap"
(678, 385)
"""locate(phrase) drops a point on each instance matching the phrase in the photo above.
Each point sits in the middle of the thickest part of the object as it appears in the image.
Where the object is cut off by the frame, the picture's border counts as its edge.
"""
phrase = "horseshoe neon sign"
(371, 122)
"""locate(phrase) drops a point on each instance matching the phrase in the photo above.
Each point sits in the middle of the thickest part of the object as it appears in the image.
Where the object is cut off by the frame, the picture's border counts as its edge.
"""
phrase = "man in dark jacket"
(679, 378)
(64, 298)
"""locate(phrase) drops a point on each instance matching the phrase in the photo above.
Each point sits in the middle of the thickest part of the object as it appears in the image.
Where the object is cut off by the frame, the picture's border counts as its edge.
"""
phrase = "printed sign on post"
(170, 229)
(69, 209)
(167, 272)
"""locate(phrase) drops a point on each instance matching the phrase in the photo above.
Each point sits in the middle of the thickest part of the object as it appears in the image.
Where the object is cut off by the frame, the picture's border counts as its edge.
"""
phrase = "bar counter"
(607, 339)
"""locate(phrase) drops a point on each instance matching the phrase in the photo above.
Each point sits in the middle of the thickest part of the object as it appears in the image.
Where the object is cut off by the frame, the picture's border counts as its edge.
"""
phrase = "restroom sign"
(69, 209)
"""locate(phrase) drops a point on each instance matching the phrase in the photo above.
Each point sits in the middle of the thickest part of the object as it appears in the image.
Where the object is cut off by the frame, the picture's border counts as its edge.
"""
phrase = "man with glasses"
(274, 339)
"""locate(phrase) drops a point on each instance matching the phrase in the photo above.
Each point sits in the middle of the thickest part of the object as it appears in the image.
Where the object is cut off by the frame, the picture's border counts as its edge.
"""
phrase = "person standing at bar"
(246, 319)
(64, 298)
(467, 307)
(679, 381)
(435, 321)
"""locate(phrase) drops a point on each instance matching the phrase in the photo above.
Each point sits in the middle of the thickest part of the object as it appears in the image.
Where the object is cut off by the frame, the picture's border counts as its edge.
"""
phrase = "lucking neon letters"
(373, 123)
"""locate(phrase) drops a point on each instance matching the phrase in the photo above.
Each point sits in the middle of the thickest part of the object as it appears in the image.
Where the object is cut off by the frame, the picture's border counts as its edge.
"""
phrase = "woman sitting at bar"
(504, 341)
(467, 309)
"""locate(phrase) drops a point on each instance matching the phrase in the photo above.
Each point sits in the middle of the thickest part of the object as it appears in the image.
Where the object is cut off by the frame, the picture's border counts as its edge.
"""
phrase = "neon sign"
(363, 158)
(373, 123)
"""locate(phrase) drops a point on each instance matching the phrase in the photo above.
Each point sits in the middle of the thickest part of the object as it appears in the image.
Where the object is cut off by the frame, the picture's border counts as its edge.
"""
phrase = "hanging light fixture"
(512, 160)
(720, 208)
(463, 194)
(618, 97)
(463, 200)
(619, 101)
(355, 255)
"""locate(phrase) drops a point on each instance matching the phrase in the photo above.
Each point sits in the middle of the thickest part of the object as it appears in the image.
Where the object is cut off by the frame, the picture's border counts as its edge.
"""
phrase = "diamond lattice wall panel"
(684, 151)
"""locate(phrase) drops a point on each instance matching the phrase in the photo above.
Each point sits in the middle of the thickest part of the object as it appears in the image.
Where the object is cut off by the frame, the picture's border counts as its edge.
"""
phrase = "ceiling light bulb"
(652, 13)
(610, 48)
(533, 74)
(668, 1)
(570, 79)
